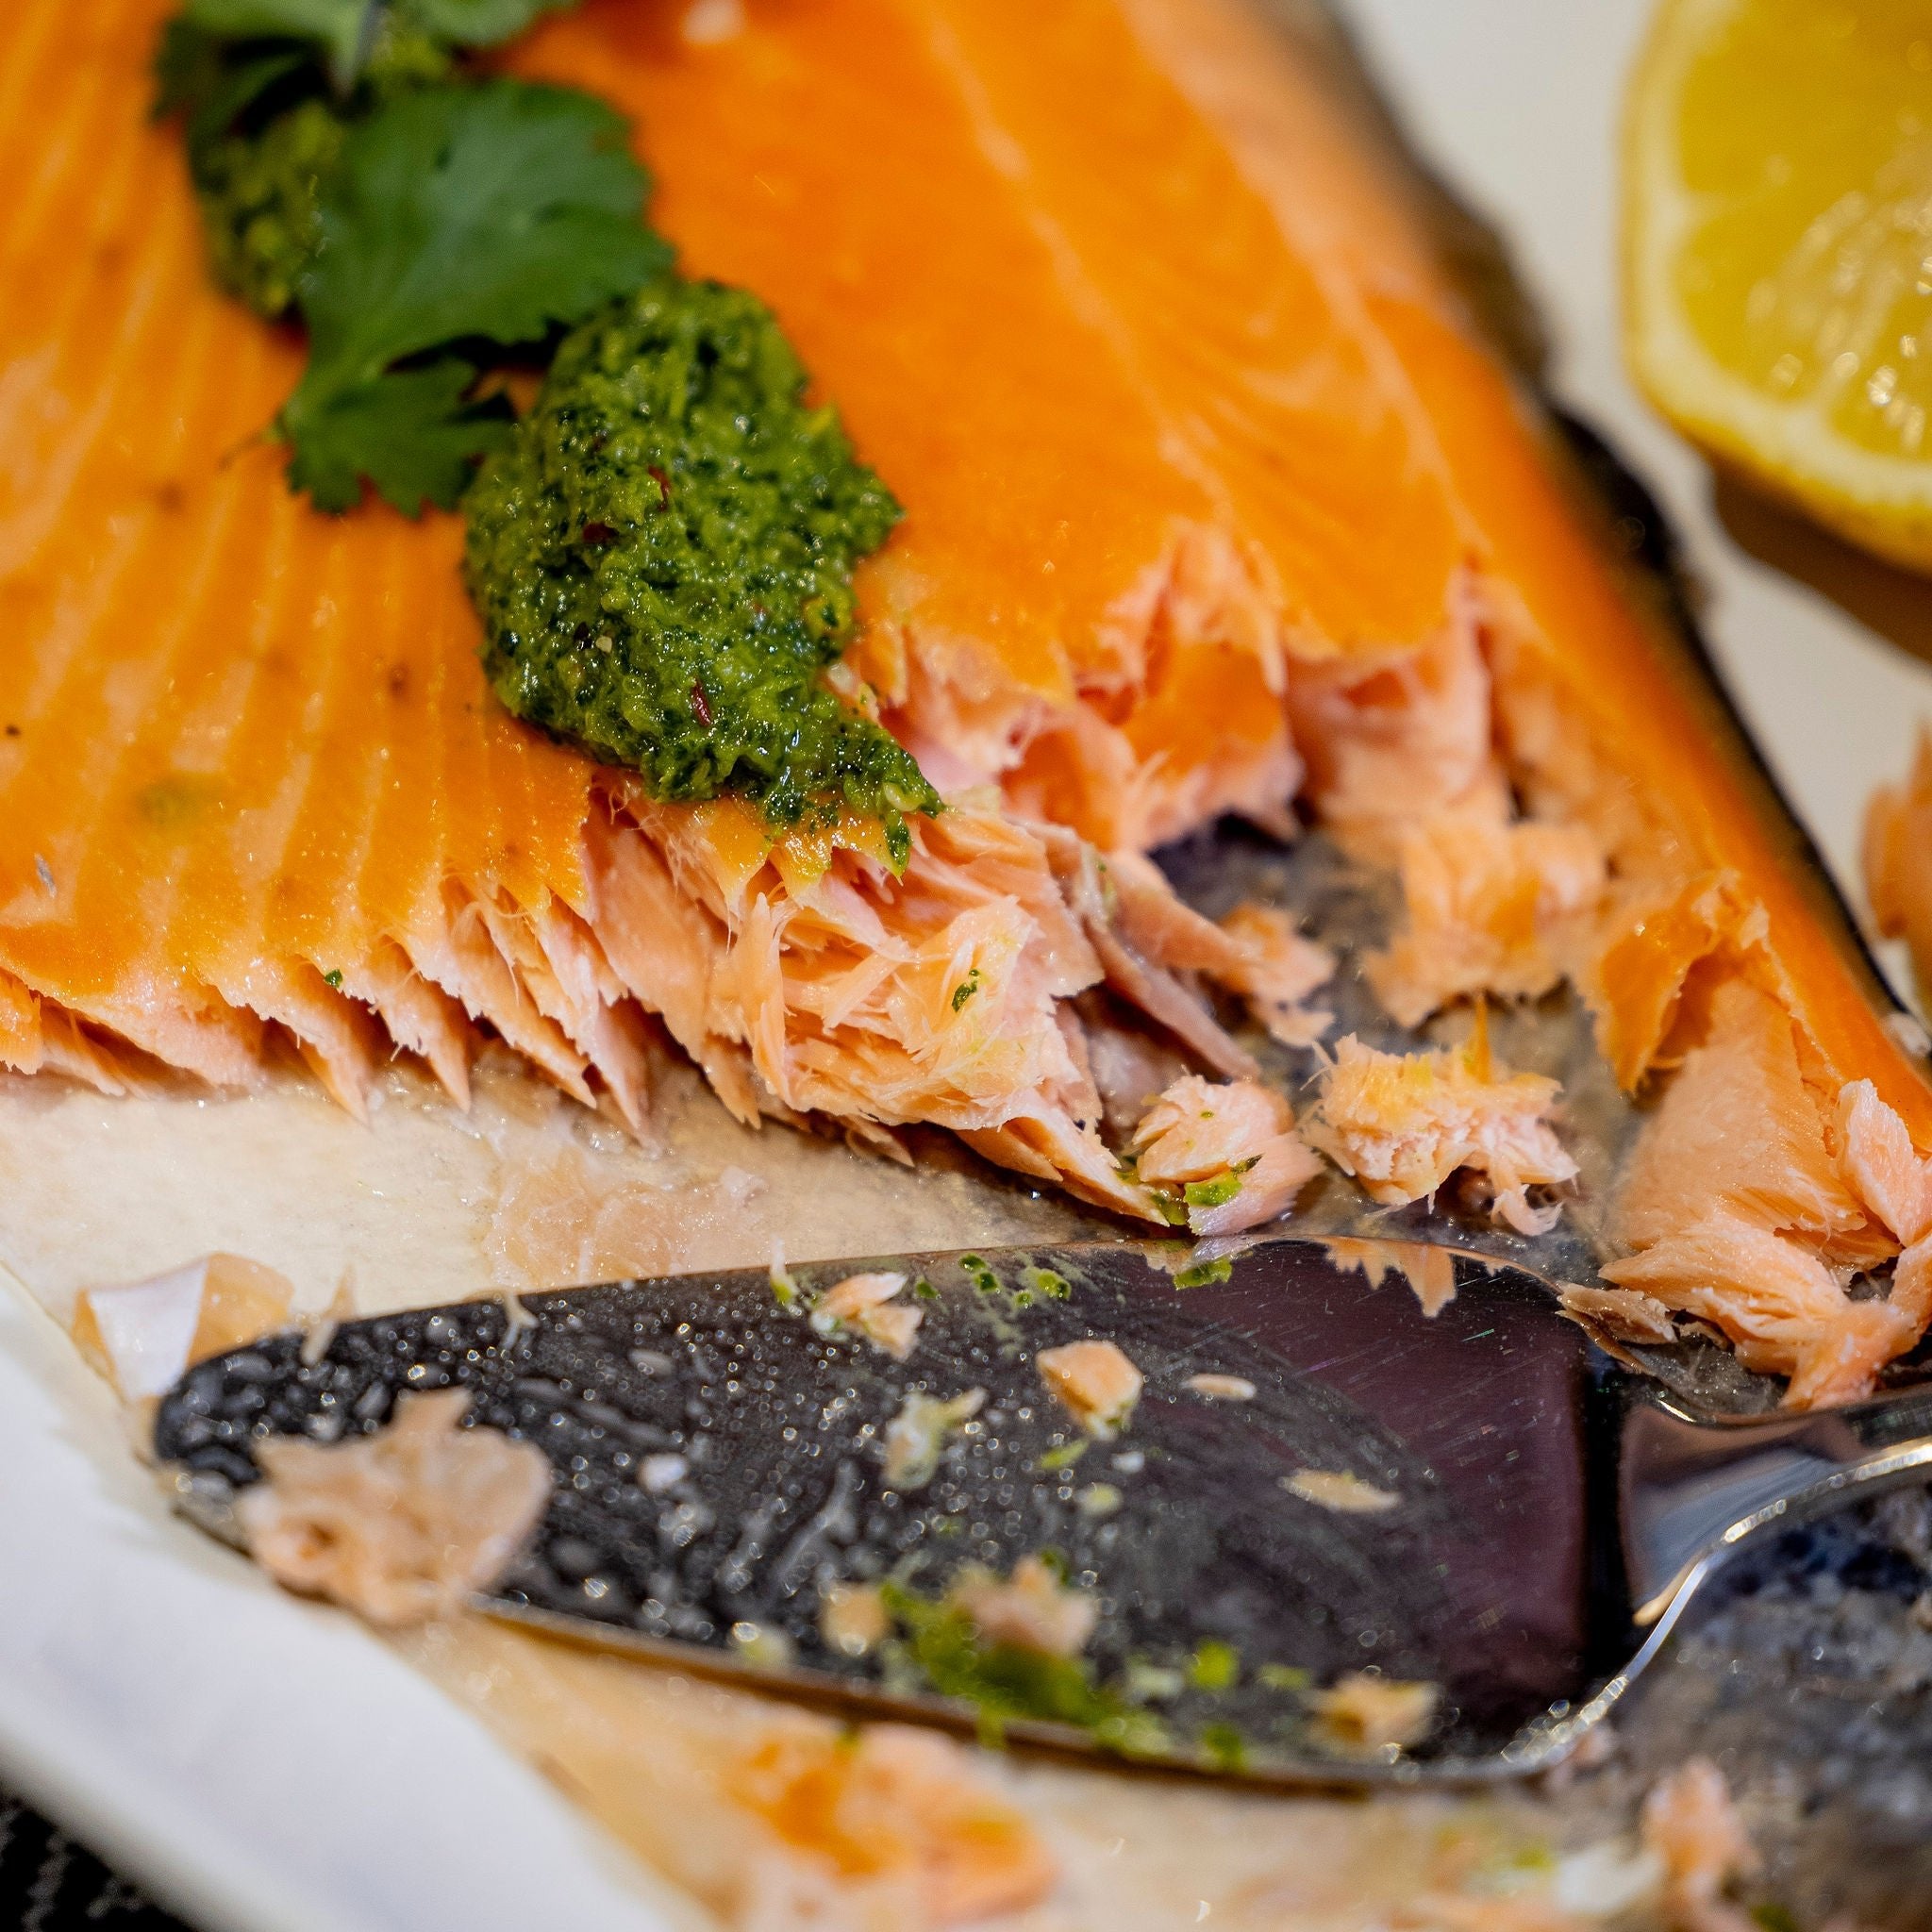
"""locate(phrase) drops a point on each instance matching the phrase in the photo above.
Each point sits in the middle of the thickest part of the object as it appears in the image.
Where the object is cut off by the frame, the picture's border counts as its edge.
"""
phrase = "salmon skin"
(1216, 503)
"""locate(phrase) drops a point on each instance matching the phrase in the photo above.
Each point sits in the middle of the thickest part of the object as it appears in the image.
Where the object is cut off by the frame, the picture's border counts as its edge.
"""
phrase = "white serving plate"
(264, 1766)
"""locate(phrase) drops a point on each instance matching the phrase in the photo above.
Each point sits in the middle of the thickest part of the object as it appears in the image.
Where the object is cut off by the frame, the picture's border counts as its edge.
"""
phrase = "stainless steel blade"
(1454, 1500)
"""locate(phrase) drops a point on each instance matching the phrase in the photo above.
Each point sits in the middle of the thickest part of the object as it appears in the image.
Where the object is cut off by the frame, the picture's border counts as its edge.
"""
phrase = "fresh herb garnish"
(1214, 1666)
(490, 211)
(349, 170)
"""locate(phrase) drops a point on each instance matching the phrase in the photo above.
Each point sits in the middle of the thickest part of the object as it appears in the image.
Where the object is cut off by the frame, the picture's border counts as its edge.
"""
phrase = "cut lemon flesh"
(1778, 249)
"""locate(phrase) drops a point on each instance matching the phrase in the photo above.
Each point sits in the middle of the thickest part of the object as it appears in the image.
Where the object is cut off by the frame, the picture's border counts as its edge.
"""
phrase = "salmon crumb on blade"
(868, 1302)
(1032, 1609)
(1094, 1382)
(402, 1525)
(1402, 1123)
(1363, 1714)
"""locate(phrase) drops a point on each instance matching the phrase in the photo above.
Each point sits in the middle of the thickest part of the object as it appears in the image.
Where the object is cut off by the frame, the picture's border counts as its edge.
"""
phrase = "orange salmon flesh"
(1215, 503)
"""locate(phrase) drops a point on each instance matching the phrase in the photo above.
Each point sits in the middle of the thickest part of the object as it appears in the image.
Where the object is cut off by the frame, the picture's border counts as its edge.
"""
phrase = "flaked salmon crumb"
(1280, 969)
(1228, 1149)
(1402, 1123)
(1031, 1610)
(853, 1618)
(916, 1437)
(1095, 1383)
(866, 1301)
(1341, 1491)
(1223, 1387)
(402, 1525)
(1362, 1714)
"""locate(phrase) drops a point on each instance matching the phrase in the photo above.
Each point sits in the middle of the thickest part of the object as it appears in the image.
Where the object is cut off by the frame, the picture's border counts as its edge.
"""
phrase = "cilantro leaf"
(411, 433)
(498, 212)
(340, 27)
(212, 85)
(478, 22)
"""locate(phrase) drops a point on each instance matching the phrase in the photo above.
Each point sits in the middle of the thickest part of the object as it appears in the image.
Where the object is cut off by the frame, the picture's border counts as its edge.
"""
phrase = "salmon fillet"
(1214, 503)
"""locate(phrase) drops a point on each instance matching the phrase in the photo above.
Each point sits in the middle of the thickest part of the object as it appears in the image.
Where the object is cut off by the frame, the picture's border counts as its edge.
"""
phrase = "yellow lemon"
(1778, 250)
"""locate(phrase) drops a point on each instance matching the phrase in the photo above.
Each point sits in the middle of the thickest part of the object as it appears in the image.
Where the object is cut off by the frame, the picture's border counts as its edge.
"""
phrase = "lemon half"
(1778, 250)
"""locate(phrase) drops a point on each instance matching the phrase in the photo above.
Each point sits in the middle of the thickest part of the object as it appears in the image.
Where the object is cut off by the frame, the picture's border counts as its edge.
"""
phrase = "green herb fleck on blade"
(979, 1274)
(1205, 1273)
(941, 1647)
(1290, 1677)
(1048, 1282)
(1064, 1456)
(1224, 1747)
(1215, 1666)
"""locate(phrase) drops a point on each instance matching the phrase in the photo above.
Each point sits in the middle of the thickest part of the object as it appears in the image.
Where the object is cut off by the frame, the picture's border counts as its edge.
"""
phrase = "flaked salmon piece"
(1229, 1151)
(418, 1016)
(400, 1526)
(1394, 741)
(1487, 904)
(37, 1035)
(1402, 1123)
(1884, 1169)
(1197, 1130)
(1736, 1211)
(1032, 1609)
(1898, 874)
(1139, 932)
(1280, 969)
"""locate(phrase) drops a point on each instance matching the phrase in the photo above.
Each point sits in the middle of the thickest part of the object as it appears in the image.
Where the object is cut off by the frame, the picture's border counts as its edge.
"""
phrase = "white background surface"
(271, 1767)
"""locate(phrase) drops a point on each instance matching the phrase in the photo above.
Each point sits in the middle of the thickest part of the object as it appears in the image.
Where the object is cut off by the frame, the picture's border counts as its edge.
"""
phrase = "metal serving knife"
(1319, 1485)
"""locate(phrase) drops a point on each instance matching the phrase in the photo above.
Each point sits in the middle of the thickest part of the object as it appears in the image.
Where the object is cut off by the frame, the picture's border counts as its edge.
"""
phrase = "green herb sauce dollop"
(662, 557)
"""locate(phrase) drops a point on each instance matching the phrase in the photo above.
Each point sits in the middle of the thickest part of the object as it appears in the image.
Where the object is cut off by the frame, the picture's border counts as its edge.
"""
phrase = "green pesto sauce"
(259, 196)
(662, 557)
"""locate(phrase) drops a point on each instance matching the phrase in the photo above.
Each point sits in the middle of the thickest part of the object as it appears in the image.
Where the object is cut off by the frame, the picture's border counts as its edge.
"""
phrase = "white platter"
(266, 1766)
